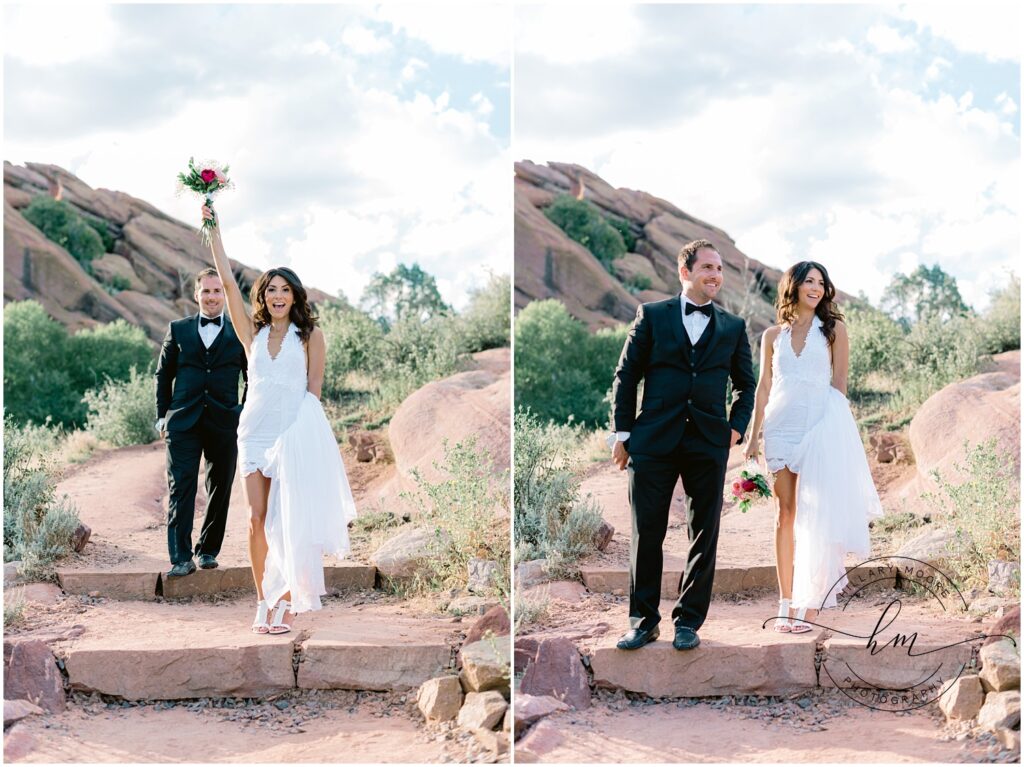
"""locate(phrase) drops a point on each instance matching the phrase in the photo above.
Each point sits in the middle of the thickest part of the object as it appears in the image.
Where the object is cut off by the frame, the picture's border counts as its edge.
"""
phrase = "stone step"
(151, 585)
(737, 657)
(729, 579)
(139, 650)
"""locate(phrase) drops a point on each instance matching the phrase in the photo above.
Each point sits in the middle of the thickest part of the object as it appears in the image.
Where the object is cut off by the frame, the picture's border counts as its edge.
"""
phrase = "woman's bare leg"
(257, 490)
(785, 497)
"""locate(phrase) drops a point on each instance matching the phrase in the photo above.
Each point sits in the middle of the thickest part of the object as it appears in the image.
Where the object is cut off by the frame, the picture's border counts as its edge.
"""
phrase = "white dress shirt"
(208, 332)
(695, 324)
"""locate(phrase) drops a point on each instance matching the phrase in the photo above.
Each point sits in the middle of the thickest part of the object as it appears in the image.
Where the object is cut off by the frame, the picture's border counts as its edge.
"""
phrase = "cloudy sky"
(869, 138)
(359, 136)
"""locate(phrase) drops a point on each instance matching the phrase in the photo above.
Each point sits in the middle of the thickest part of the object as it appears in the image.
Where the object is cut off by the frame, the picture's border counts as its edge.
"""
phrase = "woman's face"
(279, 297)
(811, 290)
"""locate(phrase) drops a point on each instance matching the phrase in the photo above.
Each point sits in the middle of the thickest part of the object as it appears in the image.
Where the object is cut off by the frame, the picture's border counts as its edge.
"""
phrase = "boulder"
(1000, 666)
(405, 555)
(440, 699)
(1009, 624)
(19, 743)
(485, 665)
(531, 572)
(482, 710)
(525, 652)
(888, 446)
(987, 404)
(560, 591)
(495, 742)
(603, 536)
(1003, 577)
(963, 699)
(37, 593)
(31, 673)
(1001, 711)
(11, 571)
(469, 604)
(494, 620)
(80, 537)
(532, 708)
(557, 670)
(16, 710)
(931, 546)
(365, 444)
(482, 574)
(1010, 739)
(112, 266)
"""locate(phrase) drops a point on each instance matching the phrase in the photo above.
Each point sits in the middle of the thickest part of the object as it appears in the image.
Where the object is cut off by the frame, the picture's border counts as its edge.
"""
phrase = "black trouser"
(184, 448)
(652, 481)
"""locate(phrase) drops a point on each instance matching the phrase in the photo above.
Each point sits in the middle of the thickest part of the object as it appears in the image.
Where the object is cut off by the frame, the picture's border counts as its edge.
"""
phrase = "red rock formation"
(550, 265)
(156, 253)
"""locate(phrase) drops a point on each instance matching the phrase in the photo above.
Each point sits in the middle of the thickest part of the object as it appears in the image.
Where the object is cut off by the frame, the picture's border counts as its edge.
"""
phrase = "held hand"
(210, 215)
(619, 455)
(752, 451)
(736, 436)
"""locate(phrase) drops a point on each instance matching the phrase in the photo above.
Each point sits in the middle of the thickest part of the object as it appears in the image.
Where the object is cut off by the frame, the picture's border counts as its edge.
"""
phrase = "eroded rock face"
(440, 699)
(156, 253)
(483, 710)
(550, 265)
(407, 554)
(486, 664)
(1000, 666)
(964, 698)
(31, 673)
(557, 671)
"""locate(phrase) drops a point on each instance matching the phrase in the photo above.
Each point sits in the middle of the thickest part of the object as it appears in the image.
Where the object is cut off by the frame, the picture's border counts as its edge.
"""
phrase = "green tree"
(407, 292)
(582, 221)
(63, 225)
(1001, 321)
(925, 292)
(37, 385)
(563, 373)
(486, 323)
(108, 352)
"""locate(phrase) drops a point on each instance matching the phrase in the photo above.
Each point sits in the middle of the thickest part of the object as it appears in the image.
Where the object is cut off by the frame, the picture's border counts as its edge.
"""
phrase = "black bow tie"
(691, 308)
(203, 321)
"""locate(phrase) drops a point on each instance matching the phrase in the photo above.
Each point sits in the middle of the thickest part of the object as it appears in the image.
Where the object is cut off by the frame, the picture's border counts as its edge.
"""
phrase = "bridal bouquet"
(751, 485)
(207, 179)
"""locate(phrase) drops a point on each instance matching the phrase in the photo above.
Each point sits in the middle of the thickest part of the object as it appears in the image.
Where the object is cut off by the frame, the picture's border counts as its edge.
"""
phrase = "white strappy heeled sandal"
(782, 622)
(799, 626)
(260, 625)
(278, 626)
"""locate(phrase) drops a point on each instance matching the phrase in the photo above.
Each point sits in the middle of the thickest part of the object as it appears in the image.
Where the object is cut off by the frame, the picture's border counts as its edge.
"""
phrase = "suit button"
(208, 370)
(694, 373)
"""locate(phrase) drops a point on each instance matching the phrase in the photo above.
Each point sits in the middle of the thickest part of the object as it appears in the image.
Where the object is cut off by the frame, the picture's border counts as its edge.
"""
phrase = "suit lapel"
(711, 334)
(193, 333)
(675, 320)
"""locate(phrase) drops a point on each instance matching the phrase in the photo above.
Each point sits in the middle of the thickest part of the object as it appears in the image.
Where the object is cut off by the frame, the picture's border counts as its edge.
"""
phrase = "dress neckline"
(807, 338)
(284, 338)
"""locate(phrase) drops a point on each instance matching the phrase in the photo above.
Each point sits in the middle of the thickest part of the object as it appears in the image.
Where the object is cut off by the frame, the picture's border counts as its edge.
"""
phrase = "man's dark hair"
(207, 272)
(688, 253)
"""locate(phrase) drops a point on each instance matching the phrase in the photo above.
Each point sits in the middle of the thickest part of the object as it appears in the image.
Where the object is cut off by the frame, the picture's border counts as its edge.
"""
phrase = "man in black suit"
(685, 349)
(197, 408)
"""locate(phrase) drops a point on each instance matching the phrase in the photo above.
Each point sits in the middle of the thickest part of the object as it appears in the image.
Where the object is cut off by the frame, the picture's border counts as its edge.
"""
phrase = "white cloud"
(478, 32)
(937, 68)
(577, 34)
(885, 39)
(988, 29)
(1006, 104)
(412, 68)
(363, 41)
(44, 36)
(482, 104)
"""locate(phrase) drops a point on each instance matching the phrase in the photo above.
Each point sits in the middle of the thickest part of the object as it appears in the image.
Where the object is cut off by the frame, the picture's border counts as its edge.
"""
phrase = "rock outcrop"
(550, 265)
(156, 254)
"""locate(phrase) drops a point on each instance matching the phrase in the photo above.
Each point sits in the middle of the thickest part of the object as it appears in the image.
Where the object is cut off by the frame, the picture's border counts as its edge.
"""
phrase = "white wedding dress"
(284, 434)
(808, 427)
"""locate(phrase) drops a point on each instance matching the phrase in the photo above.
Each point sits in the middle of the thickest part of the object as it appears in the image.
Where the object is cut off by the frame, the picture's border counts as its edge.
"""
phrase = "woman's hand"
(753, 449)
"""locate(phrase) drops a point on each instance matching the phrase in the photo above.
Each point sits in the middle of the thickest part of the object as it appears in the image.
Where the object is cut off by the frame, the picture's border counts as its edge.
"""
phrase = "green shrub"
(117, 284)
(60, 223)
(46, 372)
(121, 412)
(637, 282)
(413, 354)
(623, 228)
(552, 521)
(1001, 321)
(875, 342)
(472, 508)
(37, 383)
(935, 353)
(582, 221)
(487, 321)
(355, 343)
(38, 527)
(563, 372)
(982, 511)
(102, 228)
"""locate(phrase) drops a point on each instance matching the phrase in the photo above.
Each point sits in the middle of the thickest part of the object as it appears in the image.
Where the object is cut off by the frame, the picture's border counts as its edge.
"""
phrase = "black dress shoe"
(207, 561)
(634, 639)
(686, 638)
(182, 568)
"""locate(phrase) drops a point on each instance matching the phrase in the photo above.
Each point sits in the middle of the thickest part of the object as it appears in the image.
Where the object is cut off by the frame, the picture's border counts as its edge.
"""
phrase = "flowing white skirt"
(309, 508)
(836, 498)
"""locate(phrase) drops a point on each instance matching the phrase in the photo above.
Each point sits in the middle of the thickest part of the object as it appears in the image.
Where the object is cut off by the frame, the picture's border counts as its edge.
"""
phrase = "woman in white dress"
(295, 484)
(823, 486)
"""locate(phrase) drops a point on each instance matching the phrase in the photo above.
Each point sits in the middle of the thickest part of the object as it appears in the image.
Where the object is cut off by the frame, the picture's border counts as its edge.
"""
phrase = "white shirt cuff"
(621, 436)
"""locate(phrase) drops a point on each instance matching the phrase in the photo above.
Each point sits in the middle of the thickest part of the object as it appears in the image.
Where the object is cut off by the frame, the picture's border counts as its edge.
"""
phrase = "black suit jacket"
(681, 380)
(194, 382)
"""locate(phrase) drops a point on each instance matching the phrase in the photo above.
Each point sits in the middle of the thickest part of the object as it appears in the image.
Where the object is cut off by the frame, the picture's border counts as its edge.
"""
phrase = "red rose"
(208, 175)
(748, 485)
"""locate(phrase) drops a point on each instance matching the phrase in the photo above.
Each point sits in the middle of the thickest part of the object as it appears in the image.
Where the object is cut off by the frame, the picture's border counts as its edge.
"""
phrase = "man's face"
(210, 295)
(704, 280)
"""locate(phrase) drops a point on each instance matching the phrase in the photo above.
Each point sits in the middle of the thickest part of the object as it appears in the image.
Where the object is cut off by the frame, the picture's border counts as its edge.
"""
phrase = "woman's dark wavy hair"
(301, 312)
(787, 298)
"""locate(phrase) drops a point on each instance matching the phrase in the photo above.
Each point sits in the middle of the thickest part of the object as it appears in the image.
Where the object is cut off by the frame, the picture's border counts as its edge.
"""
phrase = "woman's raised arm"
(241, 320)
